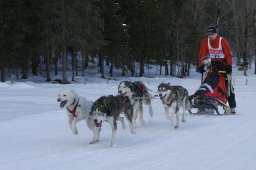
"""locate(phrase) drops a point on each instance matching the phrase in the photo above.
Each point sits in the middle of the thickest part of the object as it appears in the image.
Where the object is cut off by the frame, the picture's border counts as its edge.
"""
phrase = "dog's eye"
(64, 95)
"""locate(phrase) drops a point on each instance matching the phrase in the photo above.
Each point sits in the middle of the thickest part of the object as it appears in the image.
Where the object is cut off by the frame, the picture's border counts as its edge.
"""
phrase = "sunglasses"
(210, 33)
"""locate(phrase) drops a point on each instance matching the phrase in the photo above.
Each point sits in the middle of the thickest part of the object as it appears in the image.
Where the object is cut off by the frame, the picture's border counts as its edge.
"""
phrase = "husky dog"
(138, 94)
(109, 108)
(175, 97)
(77, 108)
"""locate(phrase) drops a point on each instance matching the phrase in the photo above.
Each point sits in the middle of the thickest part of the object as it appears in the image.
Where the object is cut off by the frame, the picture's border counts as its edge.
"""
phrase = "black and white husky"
(138, 94)
(77, 108)
(175, 97)
(109, 108)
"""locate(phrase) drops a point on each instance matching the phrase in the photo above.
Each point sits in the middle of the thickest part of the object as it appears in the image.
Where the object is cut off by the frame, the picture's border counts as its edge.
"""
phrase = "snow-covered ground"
(35, 134)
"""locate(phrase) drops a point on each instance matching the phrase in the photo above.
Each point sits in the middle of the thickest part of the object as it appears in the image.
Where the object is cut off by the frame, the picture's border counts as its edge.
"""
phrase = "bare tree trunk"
(245, 57)
(165, 63)
(101, 64)
(133, 67)
(141, 66)
(86, 61)
(218, 3)
(3, 75)
(111, 69)
(73, 63)
(24, 69)
(64, 64)
(111, 65)
(34, 61)
(48, 52)
(166, 66)
(255, 40)
(238, 51)
(76, 63)
(64, 44)
(56, 56)
(83, 63)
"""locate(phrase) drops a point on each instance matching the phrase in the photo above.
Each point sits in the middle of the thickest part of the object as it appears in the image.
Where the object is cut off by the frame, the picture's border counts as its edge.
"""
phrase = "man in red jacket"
(218, 50)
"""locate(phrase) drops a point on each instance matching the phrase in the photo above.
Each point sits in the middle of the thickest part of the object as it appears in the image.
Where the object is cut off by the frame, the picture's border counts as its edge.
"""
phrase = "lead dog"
(175, 97)
(77, 108)
(138, 94)
(109, 108)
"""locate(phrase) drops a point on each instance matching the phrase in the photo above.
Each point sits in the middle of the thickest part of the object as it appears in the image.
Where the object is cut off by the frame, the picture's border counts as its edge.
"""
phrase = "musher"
(218, 50)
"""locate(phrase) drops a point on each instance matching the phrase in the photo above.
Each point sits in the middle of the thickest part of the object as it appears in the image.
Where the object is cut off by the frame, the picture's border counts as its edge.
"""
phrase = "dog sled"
(211, 95)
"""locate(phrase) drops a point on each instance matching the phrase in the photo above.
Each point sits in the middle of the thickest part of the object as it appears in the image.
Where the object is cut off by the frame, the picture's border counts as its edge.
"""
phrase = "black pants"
(232, 100)
(231, 96)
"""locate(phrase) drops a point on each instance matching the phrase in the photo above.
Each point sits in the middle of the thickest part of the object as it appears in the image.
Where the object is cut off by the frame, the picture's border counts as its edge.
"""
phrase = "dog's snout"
(160, 94)
(58, 100)
(97, 124)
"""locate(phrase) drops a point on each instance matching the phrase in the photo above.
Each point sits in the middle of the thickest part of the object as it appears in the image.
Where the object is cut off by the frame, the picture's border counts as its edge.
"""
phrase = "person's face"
(212, 36)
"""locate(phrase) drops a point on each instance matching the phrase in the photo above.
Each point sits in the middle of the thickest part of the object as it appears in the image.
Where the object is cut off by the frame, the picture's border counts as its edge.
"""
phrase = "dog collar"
(73, 112)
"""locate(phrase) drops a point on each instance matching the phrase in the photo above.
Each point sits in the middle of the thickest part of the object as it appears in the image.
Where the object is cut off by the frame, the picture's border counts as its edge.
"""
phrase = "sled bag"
(213, 86)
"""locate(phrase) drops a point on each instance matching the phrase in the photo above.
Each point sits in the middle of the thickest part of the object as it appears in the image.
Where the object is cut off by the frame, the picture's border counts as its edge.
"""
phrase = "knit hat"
(211, 29)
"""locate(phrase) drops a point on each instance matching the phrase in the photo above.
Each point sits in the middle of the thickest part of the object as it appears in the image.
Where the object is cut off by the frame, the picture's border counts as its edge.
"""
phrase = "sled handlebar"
(220, 71)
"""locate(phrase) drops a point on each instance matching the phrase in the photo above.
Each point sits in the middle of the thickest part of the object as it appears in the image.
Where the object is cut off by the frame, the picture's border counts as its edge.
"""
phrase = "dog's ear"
(73, 93)
(107, 105)
(105, 102)
(120, 84)
(131, 86)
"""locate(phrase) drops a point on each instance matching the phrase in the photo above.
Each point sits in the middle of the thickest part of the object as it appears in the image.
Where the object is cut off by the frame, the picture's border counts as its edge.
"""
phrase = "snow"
(35, 134)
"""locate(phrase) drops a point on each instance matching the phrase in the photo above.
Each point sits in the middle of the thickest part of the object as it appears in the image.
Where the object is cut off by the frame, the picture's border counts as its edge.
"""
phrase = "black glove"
(200, 69)
(222, 66)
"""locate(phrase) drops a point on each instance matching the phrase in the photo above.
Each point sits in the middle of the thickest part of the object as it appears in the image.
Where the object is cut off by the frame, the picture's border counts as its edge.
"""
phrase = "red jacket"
(215, 43)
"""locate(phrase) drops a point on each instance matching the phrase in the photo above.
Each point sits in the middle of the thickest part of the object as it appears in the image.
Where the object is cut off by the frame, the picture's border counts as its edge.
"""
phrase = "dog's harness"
(73, 112)
(124, 101)
(170, 100)
(168, 103)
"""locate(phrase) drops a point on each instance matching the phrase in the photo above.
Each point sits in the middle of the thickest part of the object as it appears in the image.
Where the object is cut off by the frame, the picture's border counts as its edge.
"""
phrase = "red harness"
(73, 112)
(168, 103)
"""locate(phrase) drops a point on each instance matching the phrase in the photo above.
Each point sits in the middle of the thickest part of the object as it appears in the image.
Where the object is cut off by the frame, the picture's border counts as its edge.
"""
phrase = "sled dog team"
(129, 102)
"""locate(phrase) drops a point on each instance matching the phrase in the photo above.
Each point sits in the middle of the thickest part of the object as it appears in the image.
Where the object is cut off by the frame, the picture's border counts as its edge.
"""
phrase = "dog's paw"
(176, 127)
(151, 113)
(134, 124)
(123, 125)
(168, 117)
(132, 131)
(121, 119)
(75, 131)
(142, 122)
(94, 141)
(112, 144)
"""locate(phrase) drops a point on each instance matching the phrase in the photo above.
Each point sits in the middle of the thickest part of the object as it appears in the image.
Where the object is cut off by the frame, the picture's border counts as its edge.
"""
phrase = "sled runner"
(211, 94)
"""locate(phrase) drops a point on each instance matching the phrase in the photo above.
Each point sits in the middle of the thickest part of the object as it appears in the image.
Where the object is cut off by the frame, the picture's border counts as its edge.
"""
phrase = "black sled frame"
(203, 104)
